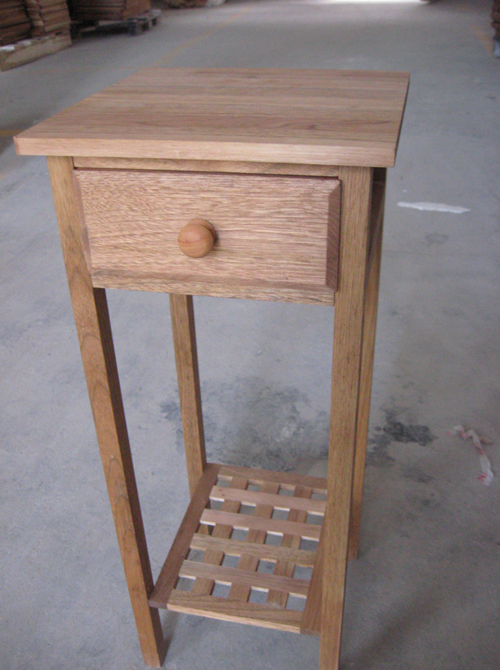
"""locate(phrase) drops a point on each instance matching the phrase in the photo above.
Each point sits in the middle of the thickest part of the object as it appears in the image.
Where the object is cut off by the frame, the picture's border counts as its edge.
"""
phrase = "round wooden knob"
(197, 238)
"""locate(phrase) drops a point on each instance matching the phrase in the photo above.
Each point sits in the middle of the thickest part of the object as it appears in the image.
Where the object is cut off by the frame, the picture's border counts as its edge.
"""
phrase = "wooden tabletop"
(332, 117)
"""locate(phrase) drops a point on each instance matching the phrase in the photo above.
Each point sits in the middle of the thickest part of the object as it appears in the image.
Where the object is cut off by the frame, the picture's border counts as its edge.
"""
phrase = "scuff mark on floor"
(395, 431)
(400, 432)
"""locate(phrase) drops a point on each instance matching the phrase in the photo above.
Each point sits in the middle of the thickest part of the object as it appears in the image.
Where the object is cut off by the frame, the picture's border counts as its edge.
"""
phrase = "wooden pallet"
(134, 25)
(48, 16)
(26, 51)
(246, 549)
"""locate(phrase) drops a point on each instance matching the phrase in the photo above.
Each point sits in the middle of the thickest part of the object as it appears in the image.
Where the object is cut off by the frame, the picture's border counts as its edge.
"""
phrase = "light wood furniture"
(283, 173)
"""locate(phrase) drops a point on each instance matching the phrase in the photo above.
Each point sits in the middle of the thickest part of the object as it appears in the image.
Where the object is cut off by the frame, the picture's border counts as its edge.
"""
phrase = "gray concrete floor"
(425, 590)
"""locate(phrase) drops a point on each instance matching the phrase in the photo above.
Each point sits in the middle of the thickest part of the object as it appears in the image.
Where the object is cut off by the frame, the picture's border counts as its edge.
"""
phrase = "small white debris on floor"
(486, 475)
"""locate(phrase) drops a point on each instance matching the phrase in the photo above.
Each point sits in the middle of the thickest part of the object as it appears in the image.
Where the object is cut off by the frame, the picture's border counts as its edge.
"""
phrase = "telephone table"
(260, 184)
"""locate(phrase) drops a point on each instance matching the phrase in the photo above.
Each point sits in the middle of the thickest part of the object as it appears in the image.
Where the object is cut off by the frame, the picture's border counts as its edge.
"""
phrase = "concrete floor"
(425, 590)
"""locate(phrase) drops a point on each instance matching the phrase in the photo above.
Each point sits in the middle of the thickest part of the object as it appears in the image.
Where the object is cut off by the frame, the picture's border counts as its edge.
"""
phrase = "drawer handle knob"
(197, 238)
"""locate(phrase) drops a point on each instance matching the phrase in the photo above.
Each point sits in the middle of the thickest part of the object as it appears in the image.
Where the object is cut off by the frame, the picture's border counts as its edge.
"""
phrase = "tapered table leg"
(368, 350)
(347, 356)
(186, 359)
(96, 344)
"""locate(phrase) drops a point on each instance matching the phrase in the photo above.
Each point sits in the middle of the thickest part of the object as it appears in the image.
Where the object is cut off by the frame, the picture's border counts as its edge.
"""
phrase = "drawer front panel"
(271, 231)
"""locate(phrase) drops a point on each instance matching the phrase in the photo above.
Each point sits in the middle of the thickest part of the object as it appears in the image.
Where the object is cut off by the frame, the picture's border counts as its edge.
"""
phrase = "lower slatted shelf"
(246, 548)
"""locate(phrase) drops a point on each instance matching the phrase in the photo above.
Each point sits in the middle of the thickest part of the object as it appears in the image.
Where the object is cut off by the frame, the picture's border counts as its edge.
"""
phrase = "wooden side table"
(259, 184)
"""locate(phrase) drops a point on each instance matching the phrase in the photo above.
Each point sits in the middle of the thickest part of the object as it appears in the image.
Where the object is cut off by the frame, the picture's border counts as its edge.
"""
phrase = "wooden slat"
(311, 620)
(186, 360)
(245, 578)
(283, 567)
(233, 167)
(222, 530)
(281, 502)
(180, 547)
(96, 344)
(227, 610)
(266, 552)
(258, 477)
(240, 591)
(307, 531)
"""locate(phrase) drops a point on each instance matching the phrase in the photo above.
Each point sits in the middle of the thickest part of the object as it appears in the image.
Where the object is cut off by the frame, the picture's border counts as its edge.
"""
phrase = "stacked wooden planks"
(495, 18)
(14, 22)
(178, 4)
(108, 10)
(48, 16)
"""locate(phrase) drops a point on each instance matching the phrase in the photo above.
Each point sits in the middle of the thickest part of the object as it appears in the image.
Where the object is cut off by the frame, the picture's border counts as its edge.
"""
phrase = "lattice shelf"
(246, 549)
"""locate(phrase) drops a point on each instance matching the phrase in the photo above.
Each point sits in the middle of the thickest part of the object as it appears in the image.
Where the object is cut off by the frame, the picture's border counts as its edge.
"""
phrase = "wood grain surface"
(248, 562)
(188, 380)
(273, 230)
(285, 568)
(347, 348)
(256, 153)
(335, 117)
(281, 502)
(190, 581)
(367, 358)
(266, 552)
(180, 547)
(286, 480)
(96, 344)
(311, 619)
(259, 290)
(307, 531)
(244, 577)
(203, 586)
(242, 612)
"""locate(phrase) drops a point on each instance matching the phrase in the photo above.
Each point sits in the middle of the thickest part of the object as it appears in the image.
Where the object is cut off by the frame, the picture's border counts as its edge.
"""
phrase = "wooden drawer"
(276, 236)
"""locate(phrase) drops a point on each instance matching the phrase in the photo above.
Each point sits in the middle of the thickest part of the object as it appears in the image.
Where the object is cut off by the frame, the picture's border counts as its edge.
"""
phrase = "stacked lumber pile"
(14, 22)
(177, 4)
(30, 29)
(495, 17)
(108, 10)
(48, 16)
